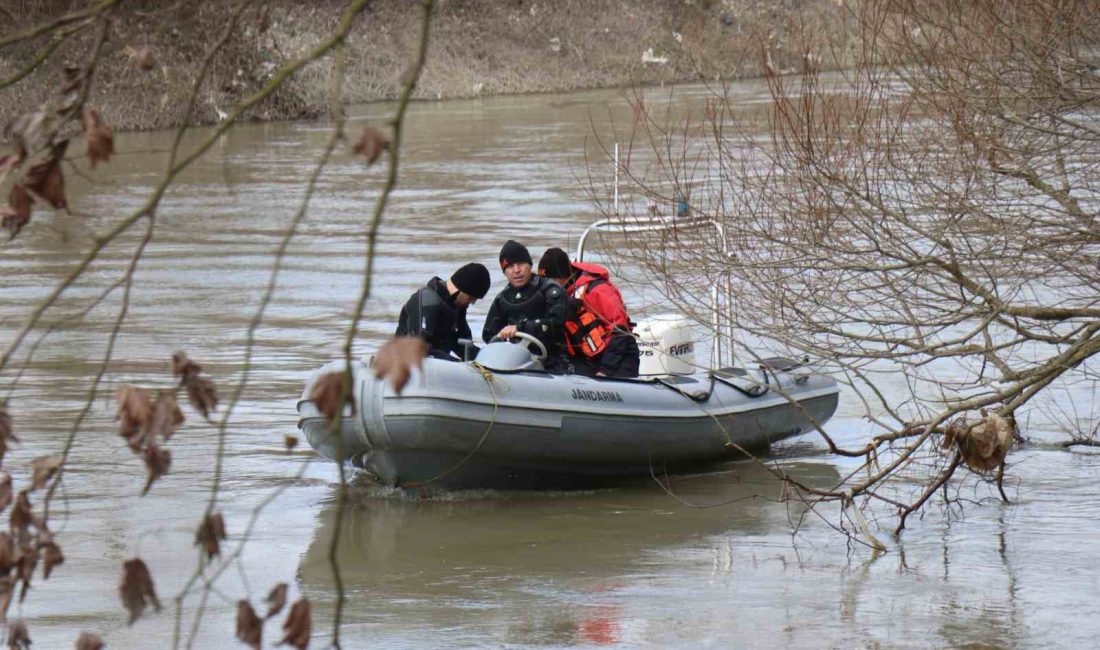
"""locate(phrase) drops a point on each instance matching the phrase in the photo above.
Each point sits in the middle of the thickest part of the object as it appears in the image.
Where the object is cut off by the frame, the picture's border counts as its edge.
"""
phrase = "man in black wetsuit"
(530, 304)
(437, 312)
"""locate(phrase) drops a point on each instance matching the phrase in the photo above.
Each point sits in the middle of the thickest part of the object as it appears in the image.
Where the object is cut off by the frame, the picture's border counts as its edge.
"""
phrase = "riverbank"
(478, 47)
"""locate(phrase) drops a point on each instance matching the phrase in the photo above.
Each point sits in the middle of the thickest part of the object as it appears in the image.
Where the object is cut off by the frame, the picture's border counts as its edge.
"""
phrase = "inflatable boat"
(501, 422)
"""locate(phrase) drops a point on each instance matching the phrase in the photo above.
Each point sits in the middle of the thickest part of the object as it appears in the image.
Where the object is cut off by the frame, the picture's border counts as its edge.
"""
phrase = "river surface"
(630, 566)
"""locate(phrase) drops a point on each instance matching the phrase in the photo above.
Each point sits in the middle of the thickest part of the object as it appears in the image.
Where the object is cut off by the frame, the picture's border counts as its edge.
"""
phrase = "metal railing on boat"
(722, 343)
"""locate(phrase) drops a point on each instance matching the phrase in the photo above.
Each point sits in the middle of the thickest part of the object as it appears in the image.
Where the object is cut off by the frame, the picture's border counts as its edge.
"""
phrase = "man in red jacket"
(598, 329)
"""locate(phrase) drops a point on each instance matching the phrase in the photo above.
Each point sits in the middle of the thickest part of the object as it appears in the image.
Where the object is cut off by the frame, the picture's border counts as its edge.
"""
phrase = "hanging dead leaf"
(99, 136)
(371, 144)
(276, 599)
(18, 637)
(183, 367)
(5, 490)
(5, 422)
(24, 570)
(166, 414)
(297, 625)
(7, 590)
(396, 359)
(51, 557)
(136, 589)
(89, 641)
(135, 414)
(290, 442)
(328, 394)
(210, 533)
(17, 213)
(43, 468)
(983, 444)
(200, 390)
(21, 515)
(28, 559)
(157, 461)
(201, 393)
(249, 626)
(8, 555)
(6, 436)
(46, 180)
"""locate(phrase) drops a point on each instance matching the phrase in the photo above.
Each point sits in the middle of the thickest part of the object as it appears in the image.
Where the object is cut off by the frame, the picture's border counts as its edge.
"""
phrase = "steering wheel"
(529, 340)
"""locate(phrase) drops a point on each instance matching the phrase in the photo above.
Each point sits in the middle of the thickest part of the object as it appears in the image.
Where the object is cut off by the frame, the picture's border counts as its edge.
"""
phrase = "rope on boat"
(490, 380)
(693, 396)
(757, 390)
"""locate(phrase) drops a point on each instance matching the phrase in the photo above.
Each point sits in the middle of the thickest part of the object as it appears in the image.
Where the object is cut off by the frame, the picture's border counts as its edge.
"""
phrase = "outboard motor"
(667, 344)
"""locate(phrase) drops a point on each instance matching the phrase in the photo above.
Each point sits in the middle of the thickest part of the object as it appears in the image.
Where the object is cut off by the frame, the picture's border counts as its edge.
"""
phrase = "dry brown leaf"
(396, 359)
(157, 461)
(200, 390)
(7, 590)
(328, 394)
(136, 589)
(5, 490)
(983, 444)
(210, 533)
(6, 434)
(135, 414)
(51, 557)
(18, 637)
(98, 134)
(43, 468)
(28, 559)
(167, 415)
(21, 515)
(8, 557)
(276, 599)
(184, 367)
(5, 422)
(89, 641)
(201, 393)
(46, 180)
(17, 213)
(249, 626)
(290, 442)
(297, 625)
(371, 144)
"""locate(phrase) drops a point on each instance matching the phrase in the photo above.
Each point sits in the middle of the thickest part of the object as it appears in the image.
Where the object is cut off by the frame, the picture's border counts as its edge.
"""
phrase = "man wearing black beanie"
(529, 304)
(599, 336)
(437, 311)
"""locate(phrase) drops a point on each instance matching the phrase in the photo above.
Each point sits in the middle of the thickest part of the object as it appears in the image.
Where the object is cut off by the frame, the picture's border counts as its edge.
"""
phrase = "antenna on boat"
(615, 187)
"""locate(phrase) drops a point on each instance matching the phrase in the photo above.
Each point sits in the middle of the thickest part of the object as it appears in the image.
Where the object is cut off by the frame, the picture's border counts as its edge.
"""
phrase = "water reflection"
(522, 568)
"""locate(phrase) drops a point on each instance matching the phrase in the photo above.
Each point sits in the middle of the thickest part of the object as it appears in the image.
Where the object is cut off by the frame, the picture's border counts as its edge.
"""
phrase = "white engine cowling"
(667, 344)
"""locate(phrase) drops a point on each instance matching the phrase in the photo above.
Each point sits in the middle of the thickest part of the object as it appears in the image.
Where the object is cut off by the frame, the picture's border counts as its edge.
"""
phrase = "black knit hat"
(513, 252)
(472, 279)
(554, 263)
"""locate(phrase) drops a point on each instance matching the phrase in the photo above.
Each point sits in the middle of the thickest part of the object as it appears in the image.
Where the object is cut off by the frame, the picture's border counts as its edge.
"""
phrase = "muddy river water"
(629, 566)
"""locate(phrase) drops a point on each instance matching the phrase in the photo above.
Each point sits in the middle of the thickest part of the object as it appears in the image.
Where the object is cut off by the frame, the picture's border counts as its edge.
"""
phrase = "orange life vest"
(585, 332)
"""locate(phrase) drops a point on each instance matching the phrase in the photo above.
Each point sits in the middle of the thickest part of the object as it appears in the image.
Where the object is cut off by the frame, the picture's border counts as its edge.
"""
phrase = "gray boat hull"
(460, 426)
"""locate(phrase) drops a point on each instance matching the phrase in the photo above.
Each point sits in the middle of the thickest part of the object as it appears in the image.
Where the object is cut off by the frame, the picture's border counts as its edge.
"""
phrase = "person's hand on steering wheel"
(507, 332)
(524, 338)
